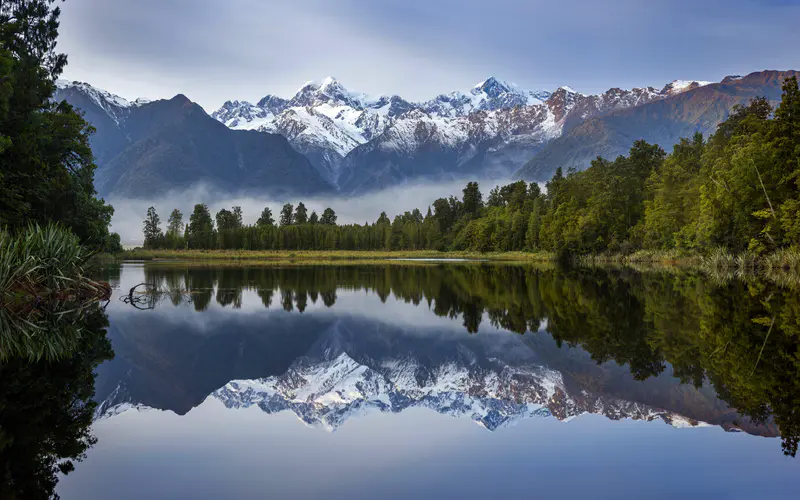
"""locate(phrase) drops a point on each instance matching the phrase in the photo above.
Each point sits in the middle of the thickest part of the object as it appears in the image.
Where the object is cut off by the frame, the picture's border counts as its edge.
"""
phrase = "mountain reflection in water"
(491, 343)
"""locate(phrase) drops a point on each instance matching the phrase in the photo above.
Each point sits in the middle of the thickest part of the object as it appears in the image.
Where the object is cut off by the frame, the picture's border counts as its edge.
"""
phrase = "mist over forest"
(129, 213)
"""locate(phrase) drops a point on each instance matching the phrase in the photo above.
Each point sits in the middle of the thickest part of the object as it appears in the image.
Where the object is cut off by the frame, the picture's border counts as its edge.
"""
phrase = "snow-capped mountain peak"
(100, 96)
(492, 87)
(115, 107)
(679, 86)
(329, 91)
(569, 90)
(327, 122)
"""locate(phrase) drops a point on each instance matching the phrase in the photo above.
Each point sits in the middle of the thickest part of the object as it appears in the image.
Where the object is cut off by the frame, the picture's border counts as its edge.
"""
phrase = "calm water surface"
(441, 380)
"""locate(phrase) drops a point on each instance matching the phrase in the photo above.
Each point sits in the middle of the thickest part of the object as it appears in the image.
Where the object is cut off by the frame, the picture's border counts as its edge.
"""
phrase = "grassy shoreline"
(327, 255)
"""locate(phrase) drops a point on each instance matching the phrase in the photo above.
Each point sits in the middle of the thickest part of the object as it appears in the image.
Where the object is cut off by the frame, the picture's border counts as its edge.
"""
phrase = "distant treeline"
(740, 190)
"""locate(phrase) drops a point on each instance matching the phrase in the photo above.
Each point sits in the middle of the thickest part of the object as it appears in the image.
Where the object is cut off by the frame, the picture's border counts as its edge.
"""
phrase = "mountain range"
(144, 148)
(327, 139)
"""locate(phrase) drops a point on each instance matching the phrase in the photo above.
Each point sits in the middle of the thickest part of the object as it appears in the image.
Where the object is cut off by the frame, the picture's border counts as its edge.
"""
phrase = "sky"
(218, 50)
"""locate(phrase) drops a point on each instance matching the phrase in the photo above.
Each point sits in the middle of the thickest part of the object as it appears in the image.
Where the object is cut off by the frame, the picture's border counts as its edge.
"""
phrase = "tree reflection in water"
(742, 337)
(46, 405)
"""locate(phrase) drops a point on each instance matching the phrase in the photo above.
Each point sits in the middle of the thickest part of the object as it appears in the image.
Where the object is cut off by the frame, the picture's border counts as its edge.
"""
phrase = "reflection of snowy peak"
(116, 403)
(327, 392)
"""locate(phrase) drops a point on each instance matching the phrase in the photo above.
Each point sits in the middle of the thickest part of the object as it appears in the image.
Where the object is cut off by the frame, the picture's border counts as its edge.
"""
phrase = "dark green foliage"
(46, 164)
(52, 337)
(175, 223)
(287, 215)
(113, 244)
(328, 217)
(200, 231)
(175, 230)
(153, 236)
(46, 407)
(473, 201)
(229, 219)
(300, 214)
(266, 219)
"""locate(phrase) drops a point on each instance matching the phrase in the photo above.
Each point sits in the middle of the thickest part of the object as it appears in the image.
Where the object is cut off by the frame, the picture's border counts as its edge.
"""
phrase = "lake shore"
(782, 266)
(330, 255)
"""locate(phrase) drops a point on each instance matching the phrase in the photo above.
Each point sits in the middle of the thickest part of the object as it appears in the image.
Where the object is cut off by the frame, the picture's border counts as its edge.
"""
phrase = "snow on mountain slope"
(358, 142)
(360, 118)
(101, 97)
(677, 86)
(115, 106)
(492, 128)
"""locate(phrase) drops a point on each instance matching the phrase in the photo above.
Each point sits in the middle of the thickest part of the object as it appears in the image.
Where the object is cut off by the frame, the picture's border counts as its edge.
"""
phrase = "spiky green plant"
(43, 292)
(39, 260)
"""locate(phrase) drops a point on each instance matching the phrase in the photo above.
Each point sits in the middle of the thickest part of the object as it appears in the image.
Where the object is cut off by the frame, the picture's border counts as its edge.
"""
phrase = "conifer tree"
(328, 217)
(287, 215)
(201, 227)
(175, 223)
(266, 219)
(152, 229)
(301, 214)
(46, 163)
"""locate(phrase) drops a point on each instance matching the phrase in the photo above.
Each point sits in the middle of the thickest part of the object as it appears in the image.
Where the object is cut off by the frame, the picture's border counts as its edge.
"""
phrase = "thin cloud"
(243, 49)
(129, 213)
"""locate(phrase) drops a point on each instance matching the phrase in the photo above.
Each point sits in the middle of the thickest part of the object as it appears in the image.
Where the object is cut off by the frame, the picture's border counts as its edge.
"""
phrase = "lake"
(439, 380)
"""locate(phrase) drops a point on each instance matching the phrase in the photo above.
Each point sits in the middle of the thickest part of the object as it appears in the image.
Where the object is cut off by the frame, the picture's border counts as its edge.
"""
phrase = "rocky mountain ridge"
(352, 143)
(146, 149)
(362, 143)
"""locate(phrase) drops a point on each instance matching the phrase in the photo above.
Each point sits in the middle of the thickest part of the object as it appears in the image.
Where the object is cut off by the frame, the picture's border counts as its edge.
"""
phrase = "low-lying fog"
(129, 213)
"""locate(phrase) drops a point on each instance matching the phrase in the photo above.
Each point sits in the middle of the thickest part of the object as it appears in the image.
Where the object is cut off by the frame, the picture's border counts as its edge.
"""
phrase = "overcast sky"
(215, 50)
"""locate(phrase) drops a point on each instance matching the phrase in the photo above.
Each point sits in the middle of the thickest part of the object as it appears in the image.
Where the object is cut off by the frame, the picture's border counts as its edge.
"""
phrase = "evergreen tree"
(473, 200)
(266, 219)
(175, 223)
(328, 217)
(224, 220)
(152, 229)
(46, 164)
(314, 219)
(287, 215)
(175, 226)
(237, 217)
(200, 230)
(301, 214)
(785, 141)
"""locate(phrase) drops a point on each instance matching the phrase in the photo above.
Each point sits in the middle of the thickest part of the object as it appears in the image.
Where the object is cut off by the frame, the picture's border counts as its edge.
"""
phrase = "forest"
(737, 190)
